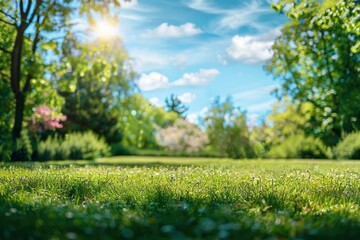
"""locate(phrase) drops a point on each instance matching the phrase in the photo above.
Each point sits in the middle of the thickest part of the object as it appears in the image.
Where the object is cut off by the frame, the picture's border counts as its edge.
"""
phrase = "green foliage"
(286, 119)
(93, 84)
(349, 147)
(315, 59)
(23, 149)
(29, 31)
(227, 130)
(74, 146)
(174, 198)
(299, 146)
(139, 121)
(6, 115)
(118, 149)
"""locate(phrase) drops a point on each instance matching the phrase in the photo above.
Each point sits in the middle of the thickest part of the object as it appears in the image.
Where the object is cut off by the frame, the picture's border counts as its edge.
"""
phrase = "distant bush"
(182, 136)
(349, 147)
(118, 149)
(300, 146)
(73, 146)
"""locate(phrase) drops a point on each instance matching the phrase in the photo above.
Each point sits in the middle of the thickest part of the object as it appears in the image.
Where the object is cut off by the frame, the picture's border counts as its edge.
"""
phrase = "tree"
(93, 80)
(27, 29)
(316, 60)
(182, 136)
(286, 119)
(227, 129)
(174, 104)
(140, 120)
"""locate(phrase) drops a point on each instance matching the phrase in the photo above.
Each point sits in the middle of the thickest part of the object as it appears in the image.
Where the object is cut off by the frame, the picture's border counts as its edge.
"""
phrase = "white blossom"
(182, 136)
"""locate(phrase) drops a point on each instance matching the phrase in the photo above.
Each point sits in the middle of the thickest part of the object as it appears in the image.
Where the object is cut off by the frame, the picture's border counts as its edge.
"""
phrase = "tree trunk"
(19, 116)
(15, 82)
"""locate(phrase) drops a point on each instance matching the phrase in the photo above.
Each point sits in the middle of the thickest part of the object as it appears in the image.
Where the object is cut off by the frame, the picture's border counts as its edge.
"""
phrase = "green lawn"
(180, 198)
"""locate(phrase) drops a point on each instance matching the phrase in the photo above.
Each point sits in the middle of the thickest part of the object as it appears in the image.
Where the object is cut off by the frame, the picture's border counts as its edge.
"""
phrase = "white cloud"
(204, 6)
(152, 81)
(253, 49)
(166, 30)
(187, 97)
(245, 15)
(156, 102)
(201, 78)
(180, 60)
(155, 80)
(133, 17)
(151, 61)
(145, 61)
(222, 60)
(249, 49)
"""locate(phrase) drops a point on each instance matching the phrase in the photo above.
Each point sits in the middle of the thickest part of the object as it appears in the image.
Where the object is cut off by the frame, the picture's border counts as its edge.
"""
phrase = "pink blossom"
(43, 110)
(45, 119)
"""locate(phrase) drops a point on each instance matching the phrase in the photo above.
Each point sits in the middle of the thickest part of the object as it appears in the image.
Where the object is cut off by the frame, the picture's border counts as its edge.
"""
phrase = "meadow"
(180, 198)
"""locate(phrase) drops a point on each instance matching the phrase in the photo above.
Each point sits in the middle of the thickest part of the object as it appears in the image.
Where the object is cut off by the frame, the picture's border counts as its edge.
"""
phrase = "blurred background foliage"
(90, 81)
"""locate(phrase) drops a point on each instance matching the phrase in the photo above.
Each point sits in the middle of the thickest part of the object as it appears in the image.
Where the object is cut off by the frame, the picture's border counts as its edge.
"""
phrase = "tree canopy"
(316, 59)
(28, 33)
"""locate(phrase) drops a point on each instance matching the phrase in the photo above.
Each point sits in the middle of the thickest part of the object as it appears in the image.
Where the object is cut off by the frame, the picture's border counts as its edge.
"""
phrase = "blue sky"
(200, 49)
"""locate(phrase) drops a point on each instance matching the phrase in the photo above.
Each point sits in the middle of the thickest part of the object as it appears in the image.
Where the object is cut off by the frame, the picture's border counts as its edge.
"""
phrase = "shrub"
(182, 136)
(85, 145)
(299, 146)
(118, 149)
(349, 147)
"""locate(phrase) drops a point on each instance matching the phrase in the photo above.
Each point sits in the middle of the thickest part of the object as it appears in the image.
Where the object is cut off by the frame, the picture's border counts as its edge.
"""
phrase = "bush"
(300, 146)
(118, 149)
(349, 147)
(182, 136)
(86, 146)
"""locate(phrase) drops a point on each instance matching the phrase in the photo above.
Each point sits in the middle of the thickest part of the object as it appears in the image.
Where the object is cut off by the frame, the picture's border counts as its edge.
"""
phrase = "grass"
(180, 198)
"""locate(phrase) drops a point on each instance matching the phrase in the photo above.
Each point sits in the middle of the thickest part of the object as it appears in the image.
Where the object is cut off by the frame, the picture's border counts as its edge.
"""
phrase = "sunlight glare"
(105, 29)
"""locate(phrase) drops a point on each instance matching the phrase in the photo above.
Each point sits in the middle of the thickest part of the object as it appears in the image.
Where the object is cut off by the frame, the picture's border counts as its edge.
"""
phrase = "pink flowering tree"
(182, 136)
(45, 119)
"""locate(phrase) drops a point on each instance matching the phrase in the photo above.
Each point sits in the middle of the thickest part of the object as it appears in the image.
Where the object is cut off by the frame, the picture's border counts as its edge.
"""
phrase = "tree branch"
(9, 23)
(8, 15)
(4, 50)
(4, 75)
(36, 40)
(28, 7)
(37, 6)
(22, 9)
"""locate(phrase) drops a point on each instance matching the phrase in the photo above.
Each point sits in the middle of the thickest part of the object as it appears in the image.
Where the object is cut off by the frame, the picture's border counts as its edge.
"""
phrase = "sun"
(105, 29)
